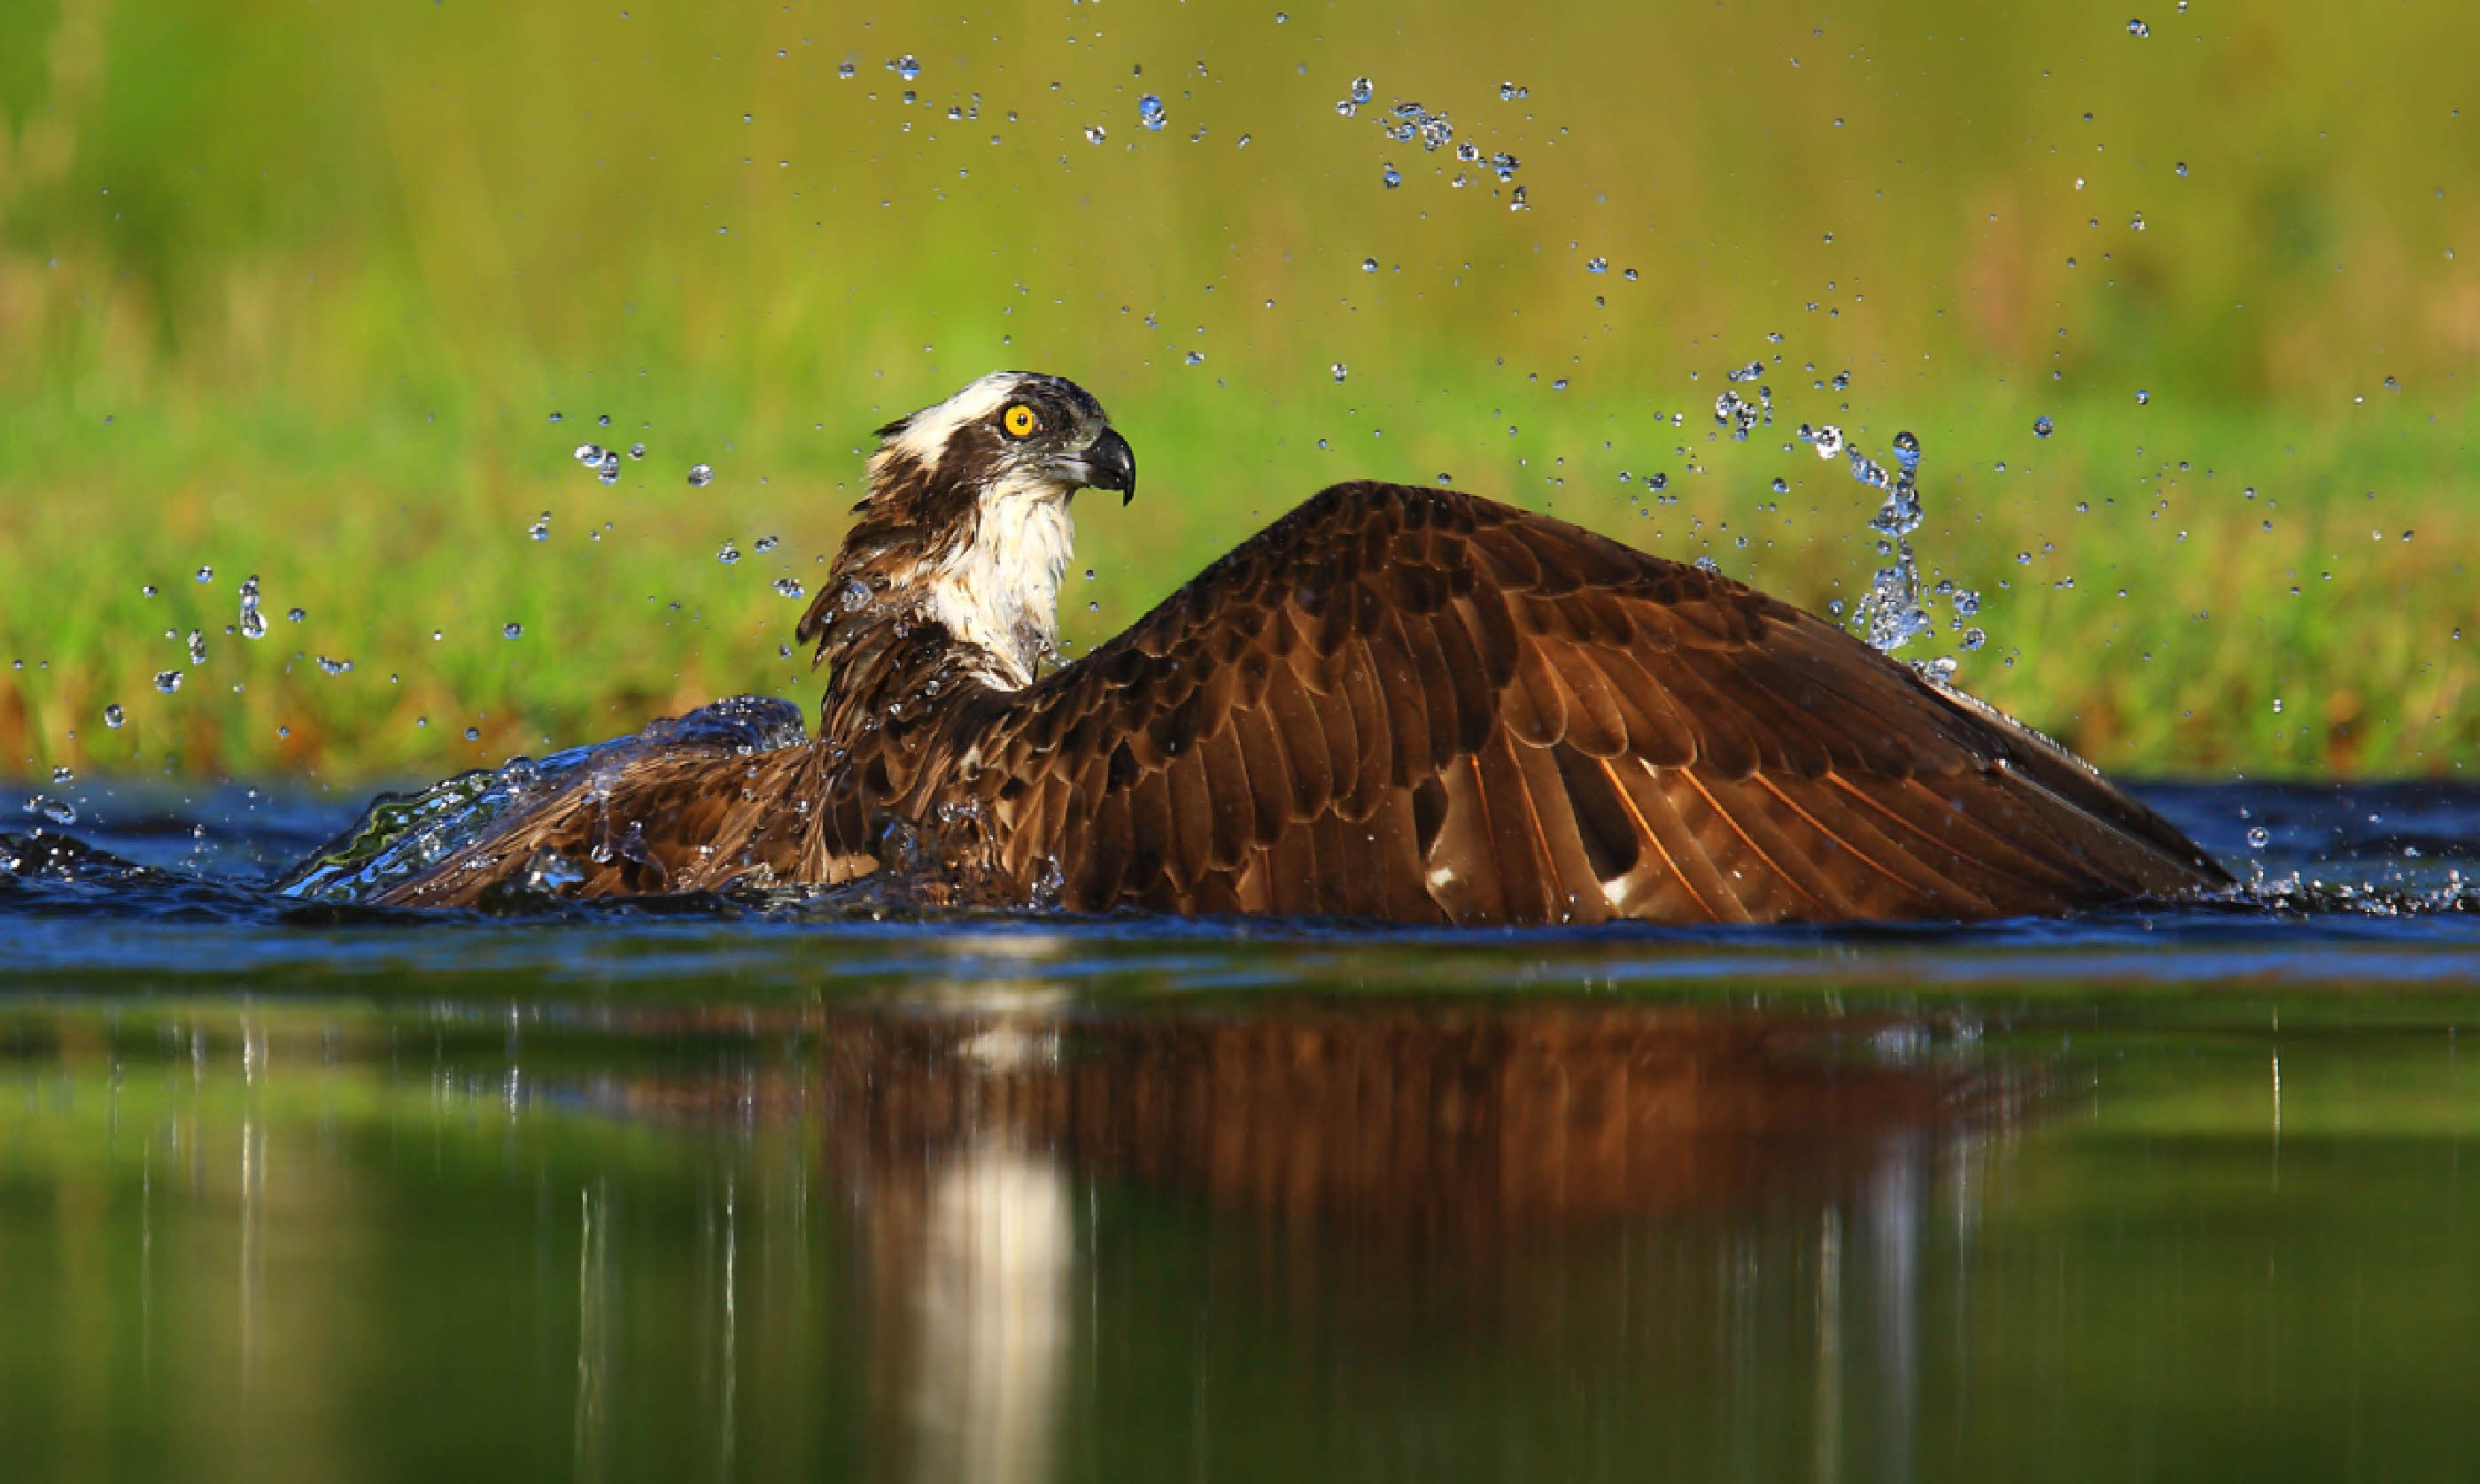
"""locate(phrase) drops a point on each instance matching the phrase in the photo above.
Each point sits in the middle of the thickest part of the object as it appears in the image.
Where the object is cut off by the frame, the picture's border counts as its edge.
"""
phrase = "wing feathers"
(1421, 705)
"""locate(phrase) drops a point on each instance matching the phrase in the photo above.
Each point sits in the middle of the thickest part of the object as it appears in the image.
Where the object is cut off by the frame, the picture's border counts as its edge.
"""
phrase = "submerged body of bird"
(1395, 702)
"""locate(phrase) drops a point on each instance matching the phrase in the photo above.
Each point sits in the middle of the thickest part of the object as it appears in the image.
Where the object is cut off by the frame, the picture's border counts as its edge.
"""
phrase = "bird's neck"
(938, 590)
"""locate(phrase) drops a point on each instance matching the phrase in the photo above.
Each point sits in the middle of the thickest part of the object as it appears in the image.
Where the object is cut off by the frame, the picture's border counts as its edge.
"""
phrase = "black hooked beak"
(1110, 463)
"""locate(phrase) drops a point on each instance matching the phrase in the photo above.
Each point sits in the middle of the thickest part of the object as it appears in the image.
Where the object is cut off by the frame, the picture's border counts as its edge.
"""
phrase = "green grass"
(389, 529)
(294, 293)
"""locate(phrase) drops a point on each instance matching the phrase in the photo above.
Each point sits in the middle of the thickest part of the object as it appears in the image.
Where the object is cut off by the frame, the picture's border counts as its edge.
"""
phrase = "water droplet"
(609, 473)
(1361, 91)
(2142, 398)
(1149, 111)
(1096, 134)
(113, 717)
(2183, 169)
(1196, 358)
(197, 643)
(297, 615)
(473, 734)
(701, 475)
(2138, 29)
(1280, 17)
(1782, 486)
(1369, 265)
(540, 530)
(1516, 202)
(1508, 92)
(167, 680)
(908, 67)
(149, 590)
(1597, 266)
(554, 416)
(512, 631)
(728, 553)
(206, 574)
(1340, 370)
(1389, 176)
(846, 70)
(588, 454)
(2043, 427)
(2259, 837)
(787, 586)
(636, 450)
(45, 806)
(1708, 564)
(335, 666)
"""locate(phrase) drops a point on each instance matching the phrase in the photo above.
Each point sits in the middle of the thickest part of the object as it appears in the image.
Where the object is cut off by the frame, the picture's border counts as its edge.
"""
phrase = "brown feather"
(1395, 701)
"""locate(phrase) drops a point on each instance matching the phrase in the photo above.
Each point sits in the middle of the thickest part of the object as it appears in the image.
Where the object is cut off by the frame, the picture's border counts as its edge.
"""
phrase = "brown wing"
(680, 815)
(1416, 704)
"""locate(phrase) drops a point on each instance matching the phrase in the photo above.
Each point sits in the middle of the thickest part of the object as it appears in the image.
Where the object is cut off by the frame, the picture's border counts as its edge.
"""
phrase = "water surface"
(714, 1190)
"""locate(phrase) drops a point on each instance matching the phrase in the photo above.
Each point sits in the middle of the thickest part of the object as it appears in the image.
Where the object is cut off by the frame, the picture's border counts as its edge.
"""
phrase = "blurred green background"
(295, 290)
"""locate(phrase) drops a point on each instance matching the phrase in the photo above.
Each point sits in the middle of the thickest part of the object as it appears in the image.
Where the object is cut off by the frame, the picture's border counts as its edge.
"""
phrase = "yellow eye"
(1020, 421)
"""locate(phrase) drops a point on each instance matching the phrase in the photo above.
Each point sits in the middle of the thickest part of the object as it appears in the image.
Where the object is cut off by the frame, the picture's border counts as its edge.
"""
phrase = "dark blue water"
(778, 1186)
(2368, 882)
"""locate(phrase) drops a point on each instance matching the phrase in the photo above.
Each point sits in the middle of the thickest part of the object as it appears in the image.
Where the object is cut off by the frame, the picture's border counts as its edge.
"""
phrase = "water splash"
(1892, 613)
(403, 834)
(253, 624)
(56, 810)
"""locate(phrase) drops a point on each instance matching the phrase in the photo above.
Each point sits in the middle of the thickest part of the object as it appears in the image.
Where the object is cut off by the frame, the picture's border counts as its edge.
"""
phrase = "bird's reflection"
(1435, 1119)
(965, 1126)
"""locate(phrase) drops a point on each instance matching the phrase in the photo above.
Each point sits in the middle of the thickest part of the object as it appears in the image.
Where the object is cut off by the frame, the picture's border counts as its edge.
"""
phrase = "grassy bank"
(2152, 587)
(295, 294)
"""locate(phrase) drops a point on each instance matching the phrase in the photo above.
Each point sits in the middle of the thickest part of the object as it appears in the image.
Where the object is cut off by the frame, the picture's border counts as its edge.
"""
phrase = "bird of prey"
(1395, 702)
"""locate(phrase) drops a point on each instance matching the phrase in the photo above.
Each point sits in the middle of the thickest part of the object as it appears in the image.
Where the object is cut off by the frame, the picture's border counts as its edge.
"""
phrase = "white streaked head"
(983, 481)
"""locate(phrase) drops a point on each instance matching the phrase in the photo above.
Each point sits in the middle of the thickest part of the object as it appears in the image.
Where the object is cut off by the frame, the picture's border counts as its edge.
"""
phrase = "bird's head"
(966, 518)
(1010, 433)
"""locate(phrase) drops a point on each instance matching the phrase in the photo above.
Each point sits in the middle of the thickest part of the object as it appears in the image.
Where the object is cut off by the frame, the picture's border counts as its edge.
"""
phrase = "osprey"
(1394, 703)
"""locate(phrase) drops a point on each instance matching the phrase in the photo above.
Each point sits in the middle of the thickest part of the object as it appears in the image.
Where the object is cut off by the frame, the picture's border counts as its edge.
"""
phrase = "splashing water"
(253, 624)
(401, 835)
(1890, 614)
(1739, 415)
